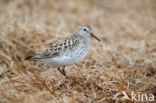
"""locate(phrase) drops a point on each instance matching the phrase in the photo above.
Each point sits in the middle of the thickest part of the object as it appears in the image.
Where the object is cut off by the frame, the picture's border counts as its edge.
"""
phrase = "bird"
(67, 51)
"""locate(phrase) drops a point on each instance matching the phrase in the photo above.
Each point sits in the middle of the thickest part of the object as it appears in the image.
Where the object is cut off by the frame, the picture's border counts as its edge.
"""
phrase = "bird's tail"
(28, 58)
(32, 58)
(36, 57)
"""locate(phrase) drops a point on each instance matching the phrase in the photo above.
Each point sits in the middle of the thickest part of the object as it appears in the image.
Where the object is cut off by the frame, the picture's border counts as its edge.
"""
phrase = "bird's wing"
(57, 48)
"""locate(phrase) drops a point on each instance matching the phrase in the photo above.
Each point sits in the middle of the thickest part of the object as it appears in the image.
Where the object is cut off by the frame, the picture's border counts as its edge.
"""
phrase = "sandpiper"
(67, 51)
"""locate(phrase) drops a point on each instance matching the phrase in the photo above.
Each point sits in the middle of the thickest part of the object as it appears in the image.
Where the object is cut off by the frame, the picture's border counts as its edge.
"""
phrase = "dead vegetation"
(125, 59)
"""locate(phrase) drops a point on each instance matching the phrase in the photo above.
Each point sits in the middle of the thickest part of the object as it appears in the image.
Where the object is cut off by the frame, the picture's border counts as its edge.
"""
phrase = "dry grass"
(125, 60)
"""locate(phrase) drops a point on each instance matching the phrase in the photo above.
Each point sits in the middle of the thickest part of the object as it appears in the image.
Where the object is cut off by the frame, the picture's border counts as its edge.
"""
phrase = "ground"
(122, 64)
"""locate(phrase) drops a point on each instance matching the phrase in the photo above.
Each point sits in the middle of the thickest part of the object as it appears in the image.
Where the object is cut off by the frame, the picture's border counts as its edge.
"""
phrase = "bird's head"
(87, 31)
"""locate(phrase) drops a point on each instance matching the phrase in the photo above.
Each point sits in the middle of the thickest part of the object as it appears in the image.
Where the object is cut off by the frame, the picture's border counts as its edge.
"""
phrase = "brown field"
(123, 62)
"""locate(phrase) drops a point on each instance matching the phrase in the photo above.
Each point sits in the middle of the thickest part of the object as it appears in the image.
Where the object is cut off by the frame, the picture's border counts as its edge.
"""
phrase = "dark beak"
(93, 35)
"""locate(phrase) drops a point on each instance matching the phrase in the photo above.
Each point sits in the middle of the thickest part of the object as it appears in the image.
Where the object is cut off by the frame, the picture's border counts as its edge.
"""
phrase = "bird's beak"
(93, 35)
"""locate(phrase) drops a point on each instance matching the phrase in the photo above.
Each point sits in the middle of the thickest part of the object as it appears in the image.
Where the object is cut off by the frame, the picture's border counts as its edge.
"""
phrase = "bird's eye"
(84, 29)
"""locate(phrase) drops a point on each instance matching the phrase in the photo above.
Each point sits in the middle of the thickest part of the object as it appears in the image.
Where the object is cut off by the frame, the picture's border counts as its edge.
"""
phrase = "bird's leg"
(62, 71)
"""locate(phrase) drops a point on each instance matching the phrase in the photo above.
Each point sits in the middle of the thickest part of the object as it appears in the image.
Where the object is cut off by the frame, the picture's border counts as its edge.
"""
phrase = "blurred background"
(125, 59)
